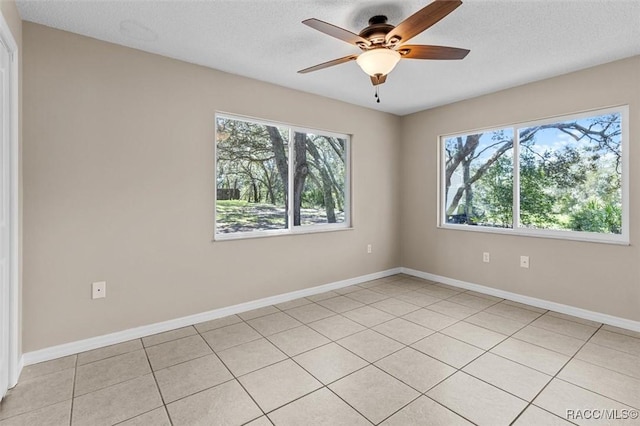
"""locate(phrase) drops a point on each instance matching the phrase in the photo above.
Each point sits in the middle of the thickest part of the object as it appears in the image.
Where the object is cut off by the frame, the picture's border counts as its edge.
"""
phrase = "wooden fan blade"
(328, 64)
(422, 51)
(422, 19)
(378, 79)
(337, 32)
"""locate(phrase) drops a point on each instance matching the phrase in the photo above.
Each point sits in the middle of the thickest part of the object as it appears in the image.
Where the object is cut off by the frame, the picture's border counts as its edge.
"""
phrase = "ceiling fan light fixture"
(378, 61)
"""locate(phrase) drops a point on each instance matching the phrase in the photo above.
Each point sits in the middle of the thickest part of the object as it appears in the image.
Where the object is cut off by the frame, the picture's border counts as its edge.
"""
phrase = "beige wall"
(11, 15)
(598, 277)
(119, 176)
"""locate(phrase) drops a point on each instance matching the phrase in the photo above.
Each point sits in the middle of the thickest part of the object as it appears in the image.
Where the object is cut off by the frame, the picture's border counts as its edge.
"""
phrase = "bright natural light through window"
(564, 177)
(276, 179)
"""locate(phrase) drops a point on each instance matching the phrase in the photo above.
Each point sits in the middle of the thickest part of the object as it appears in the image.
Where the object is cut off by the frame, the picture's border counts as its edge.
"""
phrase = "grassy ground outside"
(242, 216)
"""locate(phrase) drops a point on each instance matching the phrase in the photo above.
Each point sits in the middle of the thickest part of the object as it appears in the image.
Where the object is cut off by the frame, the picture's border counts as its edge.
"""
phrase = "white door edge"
(14, 367)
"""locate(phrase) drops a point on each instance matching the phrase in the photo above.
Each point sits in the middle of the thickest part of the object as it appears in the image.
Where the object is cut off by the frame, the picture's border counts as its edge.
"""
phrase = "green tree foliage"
(537, 201)
(594, 216)
(569, 174)
(246, 161)
(496, 194)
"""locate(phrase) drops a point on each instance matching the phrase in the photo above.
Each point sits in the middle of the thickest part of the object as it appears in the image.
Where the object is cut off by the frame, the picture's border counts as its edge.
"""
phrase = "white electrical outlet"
(524, 261)
(486, 257)
(99, 290)
(369, 248)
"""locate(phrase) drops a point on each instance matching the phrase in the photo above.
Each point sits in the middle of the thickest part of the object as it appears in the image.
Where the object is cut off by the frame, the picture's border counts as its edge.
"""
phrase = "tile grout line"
(530, 323)
(461, 369)
(288, 357)
(605, 367)
(142, 414)
(47, 405)
(73, 390)
(326, 386)
(444, 406)
(556, 376)
(155, 379)
(488, 351)
(234, 377)
(343, 400)
(467, 343)
(485, 351)
(404, 346)
(368, 364)
(166, 411)
(117, 383)
(129, 380)
(598, 393)
(197, 392)
(308, 372)
(559, 333)
(110, 356)
(321, 382)
(420, 394)
(266, 414)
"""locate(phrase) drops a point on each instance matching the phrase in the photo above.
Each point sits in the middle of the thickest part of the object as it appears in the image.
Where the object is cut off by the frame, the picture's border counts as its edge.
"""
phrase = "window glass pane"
(251, 176)
(479, 179)
(571, 175)
(319, 179)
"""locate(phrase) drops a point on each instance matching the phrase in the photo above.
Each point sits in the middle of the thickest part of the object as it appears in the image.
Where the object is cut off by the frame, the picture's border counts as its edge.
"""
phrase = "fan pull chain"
(377, 95)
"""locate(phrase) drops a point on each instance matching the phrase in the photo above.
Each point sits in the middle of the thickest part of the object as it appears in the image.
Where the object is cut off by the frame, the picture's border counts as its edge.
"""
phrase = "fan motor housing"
(377, 30)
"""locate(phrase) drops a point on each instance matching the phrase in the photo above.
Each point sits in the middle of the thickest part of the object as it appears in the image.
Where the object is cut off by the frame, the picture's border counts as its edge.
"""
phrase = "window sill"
(280, 233)
(587, 237)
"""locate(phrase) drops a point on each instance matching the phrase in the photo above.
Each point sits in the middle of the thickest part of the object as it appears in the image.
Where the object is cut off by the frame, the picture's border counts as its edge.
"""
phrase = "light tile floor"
(395, 351)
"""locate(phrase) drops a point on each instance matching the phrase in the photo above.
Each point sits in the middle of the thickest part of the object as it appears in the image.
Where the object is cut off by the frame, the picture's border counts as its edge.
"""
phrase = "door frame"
(13, 290)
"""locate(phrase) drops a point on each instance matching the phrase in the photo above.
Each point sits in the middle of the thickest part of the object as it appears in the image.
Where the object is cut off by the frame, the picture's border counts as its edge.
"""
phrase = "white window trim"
(291, 230)
(594, 237)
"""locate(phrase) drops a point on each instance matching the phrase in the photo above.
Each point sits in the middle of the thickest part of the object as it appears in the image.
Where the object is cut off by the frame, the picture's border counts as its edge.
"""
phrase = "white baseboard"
(71, 348)
(539, 303)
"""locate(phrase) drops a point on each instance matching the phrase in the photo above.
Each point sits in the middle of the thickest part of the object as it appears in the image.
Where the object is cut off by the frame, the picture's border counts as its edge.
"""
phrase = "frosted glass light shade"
(378, 61)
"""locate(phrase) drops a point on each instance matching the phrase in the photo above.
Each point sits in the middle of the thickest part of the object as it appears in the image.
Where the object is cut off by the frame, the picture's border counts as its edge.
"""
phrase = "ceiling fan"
(383, 45)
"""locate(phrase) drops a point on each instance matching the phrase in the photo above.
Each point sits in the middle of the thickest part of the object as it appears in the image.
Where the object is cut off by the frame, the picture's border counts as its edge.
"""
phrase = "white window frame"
(622, 238)
(291, 229)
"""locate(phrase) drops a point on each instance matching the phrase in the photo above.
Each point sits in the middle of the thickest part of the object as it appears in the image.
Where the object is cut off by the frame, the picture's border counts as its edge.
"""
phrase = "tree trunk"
(300, 174)
(470, 180)
(280, 153)
(463, 150)
(328, 197)
(256, 192)
(327, 184)
(468, 189)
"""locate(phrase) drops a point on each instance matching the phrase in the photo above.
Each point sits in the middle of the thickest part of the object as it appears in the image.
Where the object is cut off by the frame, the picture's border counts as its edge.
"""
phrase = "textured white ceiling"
(512, 41)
